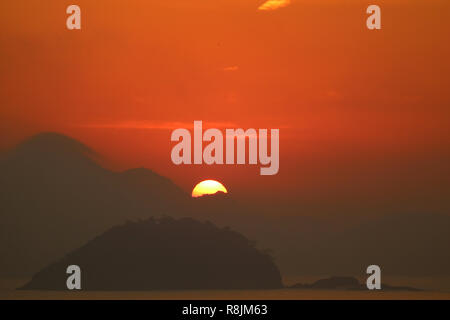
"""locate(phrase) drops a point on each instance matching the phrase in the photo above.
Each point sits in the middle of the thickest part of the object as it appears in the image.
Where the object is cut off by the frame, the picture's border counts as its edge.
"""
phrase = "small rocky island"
(345, 283)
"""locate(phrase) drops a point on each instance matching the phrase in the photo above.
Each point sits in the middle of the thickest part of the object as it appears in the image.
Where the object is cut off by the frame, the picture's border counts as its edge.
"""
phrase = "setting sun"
(208, 187)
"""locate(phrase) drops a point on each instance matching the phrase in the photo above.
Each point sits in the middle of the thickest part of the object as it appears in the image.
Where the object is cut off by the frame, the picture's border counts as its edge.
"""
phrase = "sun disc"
(208, 187)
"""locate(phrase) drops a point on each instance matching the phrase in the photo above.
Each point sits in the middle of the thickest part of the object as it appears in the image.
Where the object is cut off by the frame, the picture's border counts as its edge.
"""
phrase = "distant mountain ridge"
(55, 197)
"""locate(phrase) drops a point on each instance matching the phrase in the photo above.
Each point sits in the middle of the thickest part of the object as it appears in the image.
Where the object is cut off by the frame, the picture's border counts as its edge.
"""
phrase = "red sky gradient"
(364, 116)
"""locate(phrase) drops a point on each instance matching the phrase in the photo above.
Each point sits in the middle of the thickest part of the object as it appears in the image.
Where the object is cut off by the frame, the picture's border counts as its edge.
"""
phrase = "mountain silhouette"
(55, 197)
(164, 254)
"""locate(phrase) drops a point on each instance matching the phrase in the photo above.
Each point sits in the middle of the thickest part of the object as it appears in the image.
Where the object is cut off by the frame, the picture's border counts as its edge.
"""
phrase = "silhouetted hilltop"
(47, 154)
(345, 283)
(52, 144)
(165, 254)
(55, 197)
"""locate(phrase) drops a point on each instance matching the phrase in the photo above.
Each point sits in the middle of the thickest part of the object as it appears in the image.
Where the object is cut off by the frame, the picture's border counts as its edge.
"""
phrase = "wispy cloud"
(167, 125)
(231, 68)
(154, 125)
(274, 5)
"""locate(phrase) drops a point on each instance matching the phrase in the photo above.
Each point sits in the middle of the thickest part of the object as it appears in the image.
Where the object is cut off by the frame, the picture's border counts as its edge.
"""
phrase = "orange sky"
(363, 115)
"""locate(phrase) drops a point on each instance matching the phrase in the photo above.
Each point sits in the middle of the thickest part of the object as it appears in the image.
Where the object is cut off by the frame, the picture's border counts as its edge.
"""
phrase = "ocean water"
(8, 291)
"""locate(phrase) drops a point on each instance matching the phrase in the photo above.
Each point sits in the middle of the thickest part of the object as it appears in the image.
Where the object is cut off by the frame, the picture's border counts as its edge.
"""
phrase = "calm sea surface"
(7, 291)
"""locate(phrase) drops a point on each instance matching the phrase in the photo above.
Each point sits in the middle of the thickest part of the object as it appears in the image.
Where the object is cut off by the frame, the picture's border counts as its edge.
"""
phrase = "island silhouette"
(346, 283)
(164, 254)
